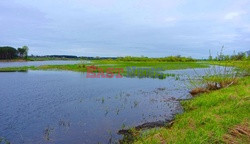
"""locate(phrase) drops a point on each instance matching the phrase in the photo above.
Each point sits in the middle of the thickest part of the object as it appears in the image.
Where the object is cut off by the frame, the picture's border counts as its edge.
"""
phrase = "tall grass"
(214, 78)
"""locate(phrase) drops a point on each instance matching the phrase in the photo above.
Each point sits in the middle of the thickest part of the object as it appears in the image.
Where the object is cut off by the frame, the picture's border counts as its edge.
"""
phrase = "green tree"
(26, 50)
(21, 52)
(7, 52)
(210, 56)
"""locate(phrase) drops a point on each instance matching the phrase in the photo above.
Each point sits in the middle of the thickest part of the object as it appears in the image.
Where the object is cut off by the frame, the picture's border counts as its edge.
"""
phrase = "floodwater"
(66, 107)
(36, 63)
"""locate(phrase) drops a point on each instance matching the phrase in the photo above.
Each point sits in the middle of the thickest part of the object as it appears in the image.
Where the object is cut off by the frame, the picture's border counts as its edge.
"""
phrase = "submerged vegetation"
(129, 68)
(4, 141)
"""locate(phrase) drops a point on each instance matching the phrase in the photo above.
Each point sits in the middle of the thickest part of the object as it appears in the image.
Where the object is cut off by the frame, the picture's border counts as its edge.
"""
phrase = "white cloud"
(233, 15)
(170, 19)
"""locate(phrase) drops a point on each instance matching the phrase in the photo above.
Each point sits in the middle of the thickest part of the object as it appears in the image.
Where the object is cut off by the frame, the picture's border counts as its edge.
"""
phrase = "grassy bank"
(220, 116)
(208, 118)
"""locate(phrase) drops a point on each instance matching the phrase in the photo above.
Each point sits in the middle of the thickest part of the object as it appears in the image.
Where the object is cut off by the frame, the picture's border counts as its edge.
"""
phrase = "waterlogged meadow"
(218, 114)
(60, 104)
(65, 107)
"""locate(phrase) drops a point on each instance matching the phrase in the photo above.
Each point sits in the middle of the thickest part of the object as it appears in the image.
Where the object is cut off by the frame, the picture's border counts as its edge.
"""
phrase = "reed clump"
(215, 78)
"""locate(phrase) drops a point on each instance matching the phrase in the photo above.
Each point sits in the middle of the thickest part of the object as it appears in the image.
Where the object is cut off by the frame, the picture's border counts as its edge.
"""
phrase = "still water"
(36, 63)
(66, 107)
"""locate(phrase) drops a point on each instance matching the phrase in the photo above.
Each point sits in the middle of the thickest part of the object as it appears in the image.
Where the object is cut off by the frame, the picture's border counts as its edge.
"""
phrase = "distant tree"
(178, 56)
(210, 56)
(221, 56)
(26, 51)
(164, 59)
(217, 57)
(7, 52)
(226, 58)
(241, 56)
(21, 52)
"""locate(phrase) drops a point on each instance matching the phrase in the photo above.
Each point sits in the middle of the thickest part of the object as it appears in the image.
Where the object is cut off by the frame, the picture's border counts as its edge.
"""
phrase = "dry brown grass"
(198, 90)
(160, 137)
(228, 82)
(210, 86)
(239, 134)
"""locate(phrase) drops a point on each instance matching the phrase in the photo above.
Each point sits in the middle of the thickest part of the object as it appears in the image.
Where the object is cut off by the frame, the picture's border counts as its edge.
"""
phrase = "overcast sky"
(153, 28)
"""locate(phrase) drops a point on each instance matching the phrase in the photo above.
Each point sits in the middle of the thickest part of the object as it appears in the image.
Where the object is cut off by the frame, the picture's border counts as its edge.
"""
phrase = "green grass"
(18, 69)
(244, 65)
(104, 64)
(154, 64)
(208, 118)
(112, 63)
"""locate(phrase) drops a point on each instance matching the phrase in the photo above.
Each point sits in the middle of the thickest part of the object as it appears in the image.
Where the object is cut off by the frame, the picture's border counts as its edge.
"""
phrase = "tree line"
(7, 52)
(177, 58)
(234, 57)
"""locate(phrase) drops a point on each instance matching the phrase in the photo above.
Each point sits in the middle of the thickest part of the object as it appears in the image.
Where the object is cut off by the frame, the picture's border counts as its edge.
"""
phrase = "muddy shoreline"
(129, 134)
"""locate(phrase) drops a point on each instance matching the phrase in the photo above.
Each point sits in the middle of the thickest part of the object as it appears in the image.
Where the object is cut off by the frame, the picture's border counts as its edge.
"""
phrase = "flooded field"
(66, 107)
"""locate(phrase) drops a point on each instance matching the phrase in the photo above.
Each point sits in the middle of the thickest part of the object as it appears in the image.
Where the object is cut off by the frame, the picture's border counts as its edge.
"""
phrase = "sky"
(153, 28)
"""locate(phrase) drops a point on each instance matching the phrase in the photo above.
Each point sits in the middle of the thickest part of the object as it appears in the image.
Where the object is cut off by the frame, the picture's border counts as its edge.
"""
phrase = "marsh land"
(57, 103)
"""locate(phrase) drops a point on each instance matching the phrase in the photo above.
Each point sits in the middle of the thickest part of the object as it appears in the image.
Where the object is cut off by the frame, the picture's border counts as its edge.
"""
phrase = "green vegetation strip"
(243, 65)
(81, 67)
